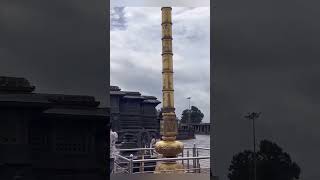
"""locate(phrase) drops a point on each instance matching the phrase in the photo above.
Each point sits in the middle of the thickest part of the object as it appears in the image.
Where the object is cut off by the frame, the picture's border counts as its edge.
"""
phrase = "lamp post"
(189, 114)
(253, 116)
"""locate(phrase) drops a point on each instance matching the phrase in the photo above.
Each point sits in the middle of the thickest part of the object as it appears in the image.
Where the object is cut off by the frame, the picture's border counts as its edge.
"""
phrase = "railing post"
(194, 155)
(188, 163)
(131, 164)
(182, 156)
(142, 163)
(198, 161)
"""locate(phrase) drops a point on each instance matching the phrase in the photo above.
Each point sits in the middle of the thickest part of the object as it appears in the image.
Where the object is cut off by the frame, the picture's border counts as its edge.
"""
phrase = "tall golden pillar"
(168, 147)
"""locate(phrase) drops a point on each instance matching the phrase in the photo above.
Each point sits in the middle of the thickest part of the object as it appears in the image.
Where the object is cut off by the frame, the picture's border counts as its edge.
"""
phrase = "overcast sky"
(60, 47)
(135, 47)
(267, 58)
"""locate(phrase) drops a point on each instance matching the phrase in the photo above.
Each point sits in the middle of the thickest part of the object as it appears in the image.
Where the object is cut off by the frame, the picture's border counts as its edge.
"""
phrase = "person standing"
(113, 149)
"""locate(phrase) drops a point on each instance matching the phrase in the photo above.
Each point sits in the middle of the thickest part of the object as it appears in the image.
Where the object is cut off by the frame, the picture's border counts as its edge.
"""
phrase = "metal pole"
(182, 156)
(131, 164)
(189, 114)
(189, 117)
(188, 163)
(142, 163)
(253, 116)
(194, 155)
(198, 162)
(254, 150)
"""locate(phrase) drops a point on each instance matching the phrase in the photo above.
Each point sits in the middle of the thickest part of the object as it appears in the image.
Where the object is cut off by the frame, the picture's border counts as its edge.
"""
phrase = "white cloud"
(136, 54)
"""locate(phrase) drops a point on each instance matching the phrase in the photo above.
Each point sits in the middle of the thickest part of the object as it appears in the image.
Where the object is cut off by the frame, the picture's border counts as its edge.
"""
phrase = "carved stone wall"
(134, 117)
(50, 136)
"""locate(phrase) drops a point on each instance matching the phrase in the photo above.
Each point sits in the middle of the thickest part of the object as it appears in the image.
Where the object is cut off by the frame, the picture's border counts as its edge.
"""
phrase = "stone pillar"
(168, 147)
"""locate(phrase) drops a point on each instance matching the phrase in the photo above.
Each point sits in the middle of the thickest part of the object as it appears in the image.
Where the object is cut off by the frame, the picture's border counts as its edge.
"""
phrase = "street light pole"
(189, 114)
(253, 116)
(254, 148)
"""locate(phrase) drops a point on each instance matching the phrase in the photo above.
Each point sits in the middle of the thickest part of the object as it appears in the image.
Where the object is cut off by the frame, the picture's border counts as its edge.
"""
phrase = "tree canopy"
(195, 117)
(272, 164)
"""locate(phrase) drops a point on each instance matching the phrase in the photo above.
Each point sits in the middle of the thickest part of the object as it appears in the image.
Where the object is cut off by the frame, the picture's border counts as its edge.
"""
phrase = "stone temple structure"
(133, 117)
(50, 136)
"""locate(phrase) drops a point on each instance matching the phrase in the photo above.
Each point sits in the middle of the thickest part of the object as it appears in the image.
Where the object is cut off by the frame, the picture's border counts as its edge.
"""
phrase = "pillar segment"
(169, 116)
(168, 147)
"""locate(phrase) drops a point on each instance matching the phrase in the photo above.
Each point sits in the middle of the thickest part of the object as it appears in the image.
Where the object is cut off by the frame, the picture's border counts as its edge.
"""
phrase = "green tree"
(272, 164)
(195, 117)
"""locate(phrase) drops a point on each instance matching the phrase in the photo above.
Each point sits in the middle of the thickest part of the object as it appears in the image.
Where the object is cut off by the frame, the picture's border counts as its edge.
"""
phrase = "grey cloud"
(58, 46)
(266, 59)
(136, 56)
(117, 18)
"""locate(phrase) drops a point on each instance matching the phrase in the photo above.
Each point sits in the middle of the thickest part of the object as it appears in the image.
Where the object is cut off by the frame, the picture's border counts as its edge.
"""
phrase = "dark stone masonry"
(134, 117)
(57, 136)
(50, 136)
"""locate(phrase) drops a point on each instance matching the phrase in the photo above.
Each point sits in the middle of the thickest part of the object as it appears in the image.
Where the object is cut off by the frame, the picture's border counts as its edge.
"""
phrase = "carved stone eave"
(15, 85)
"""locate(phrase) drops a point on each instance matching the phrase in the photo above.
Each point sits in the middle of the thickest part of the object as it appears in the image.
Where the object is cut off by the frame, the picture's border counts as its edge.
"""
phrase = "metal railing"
(144, 160)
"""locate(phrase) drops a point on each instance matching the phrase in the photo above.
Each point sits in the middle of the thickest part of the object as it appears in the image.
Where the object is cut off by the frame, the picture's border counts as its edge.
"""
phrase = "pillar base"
(169, 148)
(169, 168)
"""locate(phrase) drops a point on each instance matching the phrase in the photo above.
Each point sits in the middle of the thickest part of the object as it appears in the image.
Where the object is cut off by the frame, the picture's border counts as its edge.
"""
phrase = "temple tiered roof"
(115, 90)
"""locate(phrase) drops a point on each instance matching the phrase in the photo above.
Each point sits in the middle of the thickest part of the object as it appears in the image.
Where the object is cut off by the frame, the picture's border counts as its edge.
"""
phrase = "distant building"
(134, 117)
(197, 128)
(50, 136)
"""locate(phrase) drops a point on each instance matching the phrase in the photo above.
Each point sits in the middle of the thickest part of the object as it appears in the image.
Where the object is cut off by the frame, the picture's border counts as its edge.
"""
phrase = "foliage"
(272, 164)
(195, 117)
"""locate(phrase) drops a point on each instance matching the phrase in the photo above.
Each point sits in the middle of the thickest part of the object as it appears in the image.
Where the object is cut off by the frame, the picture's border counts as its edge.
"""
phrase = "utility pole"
(253, 116)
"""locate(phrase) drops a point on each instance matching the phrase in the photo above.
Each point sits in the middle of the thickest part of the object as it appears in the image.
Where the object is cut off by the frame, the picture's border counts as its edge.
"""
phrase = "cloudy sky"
(267, 59)
(135, 53)
(60, 47)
